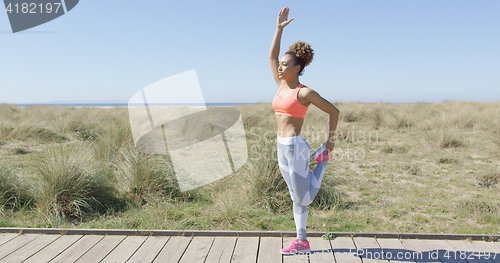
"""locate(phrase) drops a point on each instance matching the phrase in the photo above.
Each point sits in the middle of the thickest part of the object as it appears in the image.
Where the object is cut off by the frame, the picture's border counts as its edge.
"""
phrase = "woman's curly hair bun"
(303, 51)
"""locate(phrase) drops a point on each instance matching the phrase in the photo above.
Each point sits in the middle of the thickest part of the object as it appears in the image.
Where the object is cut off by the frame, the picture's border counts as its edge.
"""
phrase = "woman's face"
(287, 68)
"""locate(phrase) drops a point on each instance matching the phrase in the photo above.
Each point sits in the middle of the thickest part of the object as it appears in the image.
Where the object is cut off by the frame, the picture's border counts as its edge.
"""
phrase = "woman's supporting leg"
(293, 159)
(300, 217)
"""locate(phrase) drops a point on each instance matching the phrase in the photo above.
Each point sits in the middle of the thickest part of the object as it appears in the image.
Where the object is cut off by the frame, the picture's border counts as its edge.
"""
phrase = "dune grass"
(13, 191)
(416, 167)
(70, 184)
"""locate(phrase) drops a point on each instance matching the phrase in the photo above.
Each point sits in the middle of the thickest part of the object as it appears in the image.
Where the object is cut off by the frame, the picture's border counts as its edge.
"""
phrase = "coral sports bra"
(289, 106)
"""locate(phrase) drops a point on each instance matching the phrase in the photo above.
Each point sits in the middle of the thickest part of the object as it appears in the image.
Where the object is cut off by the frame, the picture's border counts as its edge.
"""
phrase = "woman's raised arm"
(274, 53)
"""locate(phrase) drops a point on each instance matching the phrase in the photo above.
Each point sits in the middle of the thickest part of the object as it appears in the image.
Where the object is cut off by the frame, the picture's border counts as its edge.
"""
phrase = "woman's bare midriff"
(289, 126)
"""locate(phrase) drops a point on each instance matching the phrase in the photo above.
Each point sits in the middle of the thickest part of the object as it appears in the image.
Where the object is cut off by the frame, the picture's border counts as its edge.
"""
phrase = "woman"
(290, 105)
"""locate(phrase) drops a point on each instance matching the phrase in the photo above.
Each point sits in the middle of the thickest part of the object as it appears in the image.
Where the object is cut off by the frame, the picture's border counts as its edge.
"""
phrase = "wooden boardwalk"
(51, 247)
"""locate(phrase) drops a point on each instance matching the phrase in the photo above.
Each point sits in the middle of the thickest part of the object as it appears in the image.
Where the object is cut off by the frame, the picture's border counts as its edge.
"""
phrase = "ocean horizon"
(124, 104)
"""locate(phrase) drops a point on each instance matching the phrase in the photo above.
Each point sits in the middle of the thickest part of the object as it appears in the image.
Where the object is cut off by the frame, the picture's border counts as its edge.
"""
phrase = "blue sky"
(368, 51)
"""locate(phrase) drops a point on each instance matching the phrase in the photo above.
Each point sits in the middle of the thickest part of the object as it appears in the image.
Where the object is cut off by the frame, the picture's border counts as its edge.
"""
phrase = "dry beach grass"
(415, 167)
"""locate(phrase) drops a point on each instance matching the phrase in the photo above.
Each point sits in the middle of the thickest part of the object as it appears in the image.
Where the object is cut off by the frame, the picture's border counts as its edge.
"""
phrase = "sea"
(125, 104)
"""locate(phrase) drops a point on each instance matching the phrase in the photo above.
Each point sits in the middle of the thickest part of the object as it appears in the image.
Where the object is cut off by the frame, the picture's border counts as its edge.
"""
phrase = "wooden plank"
(4, 238)
(137, 232)
(55, 248)
(445, 252)
(222, 250)
(467, 250)
(269, 249)
(369, 250)
(344, 250)
(174, 249)
(125, 249)
(321, 250)
(245, 250)
(16, 243)
(197, 250)
(302, 258)
(394, 251)
(130, 232)
(497, 245)
(77, 249)
(33, 247)
(101, 249)
(419, 251)
(149, 250)
(489, 250)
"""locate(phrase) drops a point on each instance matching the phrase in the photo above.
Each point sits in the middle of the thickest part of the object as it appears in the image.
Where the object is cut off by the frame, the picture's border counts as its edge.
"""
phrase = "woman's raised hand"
(283, 20)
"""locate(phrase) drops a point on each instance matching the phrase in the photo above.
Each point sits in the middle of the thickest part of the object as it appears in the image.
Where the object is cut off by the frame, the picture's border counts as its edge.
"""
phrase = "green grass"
(13, 192)
(142, 177)
(422, 167)
(70, 185)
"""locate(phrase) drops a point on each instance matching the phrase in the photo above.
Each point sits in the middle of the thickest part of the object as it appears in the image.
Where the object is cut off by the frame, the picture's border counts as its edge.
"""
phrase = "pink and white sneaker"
(296, 247)
(322, 154)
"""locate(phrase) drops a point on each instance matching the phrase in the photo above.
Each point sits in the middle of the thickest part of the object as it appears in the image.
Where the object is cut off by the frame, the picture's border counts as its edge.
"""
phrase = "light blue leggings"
(293, 159)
